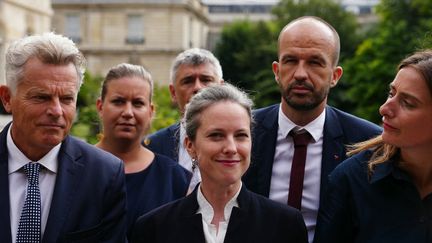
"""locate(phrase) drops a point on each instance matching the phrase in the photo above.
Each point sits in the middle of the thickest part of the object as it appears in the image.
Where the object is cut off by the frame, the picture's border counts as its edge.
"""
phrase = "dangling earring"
(194, 164)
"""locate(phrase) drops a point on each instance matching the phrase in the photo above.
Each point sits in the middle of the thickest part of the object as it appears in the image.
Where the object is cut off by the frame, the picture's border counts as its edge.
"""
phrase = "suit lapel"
(333, 147)
(173, 144)
(65, 188)
(264, 145)
(237, 232)
(190, 228)
(5, 230)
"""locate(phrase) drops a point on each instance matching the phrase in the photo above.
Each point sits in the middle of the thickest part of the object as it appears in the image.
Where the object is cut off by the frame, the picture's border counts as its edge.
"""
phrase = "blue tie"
(29, 228)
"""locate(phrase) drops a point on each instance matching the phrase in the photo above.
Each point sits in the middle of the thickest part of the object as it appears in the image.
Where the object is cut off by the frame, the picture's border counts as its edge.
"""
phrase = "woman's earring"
(194, 164)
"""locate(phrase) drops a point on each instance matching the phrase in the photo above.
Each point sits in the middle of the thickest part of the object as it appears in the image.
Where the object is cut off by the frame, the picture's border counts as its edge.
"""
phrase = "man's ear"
(173, 94)
(6, 96)
(275, 68)
(337, 74)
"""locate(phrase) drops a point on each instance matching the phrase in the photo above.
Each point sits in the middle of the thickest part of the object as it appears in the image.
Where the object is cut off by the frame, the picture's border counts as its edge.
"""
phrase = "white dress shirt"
(18, 182)
(186, 161)
(284, 152)
(206, 210)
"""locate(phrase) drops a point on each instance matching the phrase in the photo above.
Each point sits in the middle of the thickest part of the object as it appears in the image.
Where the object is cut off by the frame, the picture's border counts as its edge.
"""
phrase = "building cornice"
(30, 7)
(199, 11)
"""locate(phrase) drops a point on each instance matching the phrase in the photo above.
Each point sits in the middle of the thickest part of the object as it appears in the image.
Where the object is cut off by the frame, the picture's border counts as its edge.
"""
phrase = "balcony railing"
(135, 40)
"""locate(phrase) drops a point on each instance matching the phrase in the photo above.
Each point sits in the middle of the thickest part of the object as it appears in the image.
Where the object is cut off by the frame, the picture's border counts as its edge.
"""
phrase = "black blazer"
(89, 200)
(256, 220)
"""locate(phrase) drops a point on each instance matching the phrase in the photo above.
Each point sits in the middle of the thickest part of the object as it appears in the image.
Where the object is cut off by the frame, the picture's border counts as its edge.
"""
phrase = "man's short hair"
(49, 48)
(195, 57)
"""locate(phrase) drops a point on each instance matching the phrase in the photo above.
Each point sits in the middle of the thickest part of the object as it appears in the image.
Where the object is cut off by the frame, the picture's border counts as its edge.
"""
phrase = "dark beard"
(317, 98)
(301, 106)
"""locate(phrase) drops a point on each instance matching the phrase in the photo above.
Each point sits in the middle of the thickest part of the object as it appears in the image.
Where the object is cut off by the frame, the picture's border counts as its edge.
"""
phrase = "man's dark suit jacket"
(165, 141)
(256, 220)
(340, 129)
(89, 200)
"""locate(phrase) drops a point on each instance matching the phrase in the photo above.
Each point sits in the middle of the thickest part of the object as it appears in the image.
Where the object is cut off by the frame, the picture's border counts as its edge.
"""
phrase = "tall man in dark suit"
(306, 70)
(191, 71)
(79, 195)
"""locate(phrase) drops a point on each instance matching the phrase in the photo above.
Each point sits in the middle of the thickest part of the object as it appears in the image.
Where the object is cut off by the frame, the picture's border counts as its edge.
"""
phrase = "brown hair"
(420, 61)
(126, 70)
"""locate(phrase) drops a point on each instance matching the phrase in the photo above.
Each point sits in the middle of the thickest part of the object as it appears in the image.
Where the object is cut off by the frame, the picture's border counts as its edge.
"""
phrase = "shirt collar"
(206, 209)
(388, 168)
(17, 159)
(315, 127)
(182, 134)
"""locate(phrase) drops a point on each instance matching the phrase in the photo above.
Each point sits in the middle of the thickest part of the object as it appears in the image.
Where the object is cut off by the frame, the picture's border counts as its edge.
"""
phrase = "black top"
(161, 182)
(385, 208)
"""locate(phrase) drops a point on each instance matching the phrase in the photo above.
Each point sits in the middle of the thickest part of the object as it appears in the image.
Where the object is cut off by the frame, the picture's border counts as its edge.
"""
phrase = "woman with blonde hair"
(126, 110)
(384, 192)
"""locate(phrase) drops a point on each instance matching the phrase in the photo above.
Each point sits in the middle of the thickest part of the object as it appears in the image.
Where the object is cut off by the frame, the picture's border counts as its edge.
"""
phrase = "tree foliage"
(246, 51)
(86, 125)
(166, 112)
(404, 27)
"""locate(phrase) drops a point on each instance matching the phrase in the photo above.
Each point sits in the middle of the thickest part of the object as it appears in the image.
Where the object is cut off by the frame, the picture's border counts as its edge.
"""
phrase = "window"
(191, 26)
(135, 29)
(73, 27)
(241, 8)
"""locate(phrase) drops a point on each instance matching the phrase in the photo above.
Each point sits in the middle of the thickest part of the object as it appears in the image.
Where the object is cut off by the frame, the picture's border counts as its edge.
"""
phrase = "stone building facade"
(19, 18)
(146, 32)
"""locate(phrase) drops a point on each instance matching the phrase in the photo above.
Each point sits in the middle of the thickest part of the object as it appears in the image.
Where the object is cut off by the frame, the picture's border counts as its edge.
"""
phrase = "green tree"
(86, 125)
(404, 27)
(246, 51)
(166, 113)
